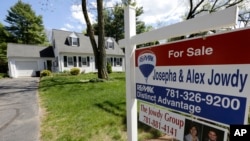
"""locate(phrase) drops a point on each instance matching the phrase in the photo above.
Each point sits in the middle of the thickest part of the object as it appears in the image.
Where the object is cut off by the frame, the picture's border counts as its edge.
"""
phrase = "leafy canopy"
(24, 25)
(4, 38)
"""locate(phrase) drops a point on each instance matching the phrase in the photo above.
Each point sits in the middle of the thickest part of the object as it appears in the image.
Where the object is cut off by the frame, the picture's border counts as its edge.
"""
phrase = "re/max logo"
(144, 88)
(146, 57)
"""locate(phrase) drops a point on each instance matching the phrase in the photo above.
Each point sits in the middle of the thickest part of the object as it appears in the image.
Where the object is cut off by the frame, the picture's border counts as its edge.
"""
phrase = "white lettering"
(239, 132)
(199, 51)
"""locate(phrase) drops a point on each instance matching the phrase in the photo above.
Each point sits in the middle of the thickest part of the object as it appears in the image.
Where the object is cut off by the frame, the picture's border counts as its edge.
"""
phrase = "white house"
(68, 50)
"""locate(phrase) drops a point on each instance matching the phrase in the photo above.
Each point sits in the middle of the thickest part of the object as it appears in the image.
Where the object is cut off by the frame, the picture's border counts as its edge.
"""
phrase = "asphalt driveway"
(19, 109)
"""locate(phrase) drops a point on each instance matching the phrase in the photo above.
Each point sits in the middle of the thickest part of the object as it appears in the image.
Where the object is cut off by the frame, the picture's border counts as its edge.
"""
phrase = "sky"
(67, 14)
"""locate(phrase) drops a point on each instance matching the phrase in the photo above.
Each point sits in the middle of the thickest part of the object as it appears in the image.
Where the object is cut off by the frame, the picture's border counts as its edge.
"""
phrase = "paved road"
(19, 109)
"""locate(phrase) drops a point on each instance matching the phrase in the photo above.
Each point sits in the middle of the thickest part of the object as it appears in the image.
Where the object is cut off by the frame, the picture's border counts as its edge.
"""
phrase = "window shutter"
(65, 61)
(70, 41)
(78, 41)
(120, 61)
(112, 64)
(75, 61)
(80, 61)
(88, 62)
(115, 61)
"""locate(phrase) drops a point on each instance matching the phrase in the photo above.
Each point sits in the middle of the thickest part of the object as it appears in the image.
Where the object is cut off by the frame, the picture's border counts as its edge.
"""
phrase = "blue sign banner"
(218, 107)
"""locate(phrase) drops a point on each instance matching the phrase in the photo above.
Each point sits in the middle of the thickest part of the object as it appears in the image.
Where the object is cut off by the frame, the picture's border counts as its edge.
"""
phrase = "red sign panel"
(211, 50)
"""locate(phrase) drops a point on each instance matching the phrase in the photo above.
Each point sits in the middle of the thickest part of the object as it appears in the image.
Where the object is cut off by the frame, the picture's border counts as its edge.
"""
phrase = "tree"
(114, 23)
(244, 13)
(98, 49)
(209, 6)
(4, 38)
(244, 18)
(24, 25)
(112, 19)
(197, 7)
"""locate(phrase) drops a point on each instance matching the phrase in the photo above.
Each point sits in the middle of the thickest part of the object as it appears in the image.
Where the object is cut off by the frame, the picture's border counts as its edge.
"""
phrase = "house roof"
(60, 42)
(23, 50)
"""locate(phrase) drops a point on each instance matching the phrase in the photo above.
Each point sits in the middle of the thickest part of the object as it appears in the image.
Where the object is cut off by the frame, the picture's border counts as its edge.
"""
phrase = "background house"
(68, 50)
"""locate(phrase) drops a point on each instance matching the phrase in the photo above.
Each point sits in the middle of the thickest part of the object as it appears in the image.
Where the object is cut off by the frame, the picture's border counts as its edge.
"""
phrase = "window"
(118, 61)
(110, 61)
(85, 61)
(70, 61)
(75, 41)
(109, 43)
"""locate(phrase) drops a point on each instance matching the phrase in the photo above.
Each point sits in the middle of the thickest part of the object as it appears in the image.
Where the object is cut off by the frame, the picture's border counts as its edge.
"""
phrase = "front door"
(49, 65)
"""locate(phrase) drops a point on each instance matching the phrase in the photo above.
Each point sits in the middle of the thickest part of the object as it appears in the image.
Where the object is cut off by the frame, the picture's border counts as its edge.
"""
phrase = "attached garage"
(28, 60)
(26, 68)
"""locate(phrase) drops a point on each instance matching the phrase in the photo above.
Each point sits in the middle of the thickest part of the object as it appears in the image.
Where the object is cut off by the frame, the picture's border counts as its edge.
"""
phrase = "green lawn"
(76, 110)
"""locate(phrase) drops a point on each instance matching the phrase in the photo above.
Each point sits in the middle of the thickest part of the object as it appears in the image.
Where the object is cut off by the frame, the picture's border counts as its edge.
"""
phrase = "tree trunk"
(102, 69)
(99, 50)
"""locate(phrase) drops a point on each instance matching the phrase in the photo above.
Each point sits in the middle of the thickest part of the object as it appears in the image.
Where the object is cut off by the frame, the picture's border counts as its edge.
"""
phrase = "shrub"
(3, 67)
(45, 73)
(74, 71)
(3, 75)
(109, 68)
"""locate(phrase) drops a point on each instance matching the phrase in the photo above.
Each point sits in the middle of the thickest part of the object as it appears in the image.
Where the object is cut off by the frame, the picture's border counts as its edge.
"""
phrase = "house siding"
(84, 68)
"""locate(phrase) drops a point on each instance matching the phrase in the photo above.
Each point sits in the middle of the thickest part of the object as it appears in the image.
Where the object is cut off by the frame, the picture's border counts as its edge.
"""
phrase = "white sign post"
(131, 102)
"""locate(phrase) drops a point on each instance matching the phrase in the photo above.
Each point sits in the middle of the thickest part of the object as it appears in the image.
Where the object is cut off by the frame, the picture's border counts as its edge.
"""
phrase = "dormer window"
(110, 43)
(73, 40)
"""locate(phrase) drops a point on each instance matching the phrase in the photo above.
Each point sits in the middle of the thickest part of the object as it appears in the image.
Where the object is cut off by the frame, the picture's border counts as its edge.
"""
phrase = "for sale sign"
(207, 77)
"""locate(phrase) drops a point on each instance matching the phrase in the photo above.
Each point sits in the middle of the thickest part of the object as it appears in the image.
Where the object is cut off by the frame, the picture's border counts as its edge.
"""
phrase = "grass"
(78, 110)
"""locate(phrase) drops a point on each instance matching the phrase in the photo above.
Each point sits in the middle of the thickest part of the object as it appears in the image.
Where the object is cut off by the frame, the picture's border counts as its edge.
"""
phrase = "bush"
(3, 75)
(74, 71)
(3, 67)
(45, 73)
(109, 68)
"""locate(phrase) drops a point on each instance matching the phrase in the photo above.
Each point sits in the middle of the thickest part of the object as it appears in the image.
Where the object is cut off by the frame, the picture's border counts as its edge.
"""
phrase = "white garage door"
(26, 68)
